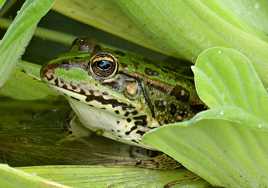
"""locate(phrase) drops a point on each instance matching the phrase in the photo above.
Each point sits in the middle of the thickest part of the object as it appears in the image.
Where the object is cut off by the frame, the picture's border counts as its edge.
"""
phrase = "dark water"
(34, 133)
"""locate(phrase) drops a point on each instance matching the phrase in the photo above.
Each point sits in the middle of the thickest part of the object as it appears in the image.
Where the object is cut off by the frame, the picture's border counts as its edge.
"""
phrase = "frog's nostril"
(84, 44)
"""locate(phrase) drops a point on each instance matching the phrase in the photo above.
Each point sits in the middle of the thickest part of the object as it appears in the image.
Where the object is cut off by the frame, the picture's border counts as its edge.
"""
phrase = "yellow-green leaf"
(19, 34)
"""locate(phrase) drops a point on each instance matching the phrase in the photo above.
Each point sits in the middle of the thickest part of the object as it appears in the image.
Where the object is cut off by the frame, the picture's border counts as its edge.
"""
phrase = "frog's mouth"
(82, 92)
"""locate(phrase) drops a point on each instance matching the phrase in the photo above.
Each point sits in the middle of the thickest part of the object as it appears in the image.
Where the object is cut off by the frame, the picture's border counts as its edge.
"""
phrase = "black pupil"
(104, 65)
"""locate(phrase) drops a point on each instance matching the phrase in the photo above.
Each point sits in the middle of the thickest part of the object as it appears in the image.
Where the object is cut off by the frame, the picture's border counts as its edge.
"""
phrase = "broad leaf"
(226, 145)
(253, 13)
(185, 28)
(223, 152)
(226, 77)
(104, 15)
(181, 28)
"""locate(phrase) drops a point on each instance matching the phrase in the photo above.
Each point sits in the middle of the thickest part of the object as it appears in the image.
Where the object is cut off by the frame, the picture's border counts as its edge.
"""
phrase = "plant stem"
(46, 34)
(5, 6)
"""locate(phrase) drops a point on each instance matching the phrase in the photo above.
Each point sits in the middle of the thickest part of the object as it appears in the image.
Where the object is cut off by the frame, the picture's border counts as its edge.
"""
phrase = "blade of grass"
(26, 80)
(14, 178)
(47, 34)
(117, 176)
(19, 34)
(2, 2)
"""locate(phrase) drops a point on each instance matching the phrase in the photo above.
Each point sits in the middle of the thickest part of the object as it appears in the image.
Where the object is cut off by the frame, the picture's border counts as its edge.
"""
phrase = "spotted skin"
(139, 96)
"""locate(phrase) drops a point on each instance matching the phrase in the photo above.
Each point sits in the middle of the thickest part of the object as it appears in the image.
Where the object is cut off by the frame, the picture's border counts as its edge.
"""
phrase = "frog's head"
(101, 93)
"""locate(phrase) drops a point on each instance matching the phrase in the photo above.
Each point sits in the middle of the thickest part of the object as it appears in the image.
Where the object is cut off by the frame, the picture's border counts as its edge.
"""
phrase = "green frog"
(120, 94)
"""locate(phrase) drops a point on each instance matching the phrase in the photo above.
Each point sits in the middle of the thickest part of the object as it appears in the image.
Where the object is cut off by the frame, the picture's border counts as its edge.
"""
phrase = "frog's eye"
(84, 44)
(103, 65)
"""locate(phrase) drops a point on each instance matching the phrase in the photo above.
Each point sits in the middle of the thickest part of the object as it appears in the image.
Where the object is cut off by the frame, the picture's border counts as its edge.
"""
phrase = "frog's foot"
(74, 129)
(162, 162)
(152, 159)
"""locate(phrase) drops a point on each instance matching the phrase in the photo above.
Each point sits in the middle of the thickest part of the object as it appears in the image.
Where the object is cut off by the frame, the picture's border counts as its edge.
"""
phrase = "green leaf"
(13, 178)
(19, 34)
(181, 28)
(25, 84)
(226, 77)
(104, 15)
(223, 152)
(2, 2)
(252, 13)
(226, 145)
(185, 28)
(45, 34)
(99, 176)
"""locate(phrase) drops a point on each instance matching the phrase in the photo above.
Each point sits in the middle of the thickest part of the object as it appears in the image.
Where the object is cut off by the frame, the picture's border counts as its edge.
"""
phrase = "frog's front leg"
(77, 129)
(74, 129)
(152, 159)
(161, 162)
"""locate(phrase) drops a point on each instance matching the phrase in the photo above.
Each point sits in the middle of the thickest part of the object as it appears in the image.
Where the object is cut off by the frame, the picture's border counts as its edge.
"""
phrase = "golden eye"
(103, 65)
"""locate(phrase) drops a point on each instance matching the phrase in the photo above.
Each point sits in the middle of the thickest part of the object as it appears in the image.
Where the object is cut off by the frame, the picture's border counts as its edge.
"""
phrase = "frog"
(119, 94)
